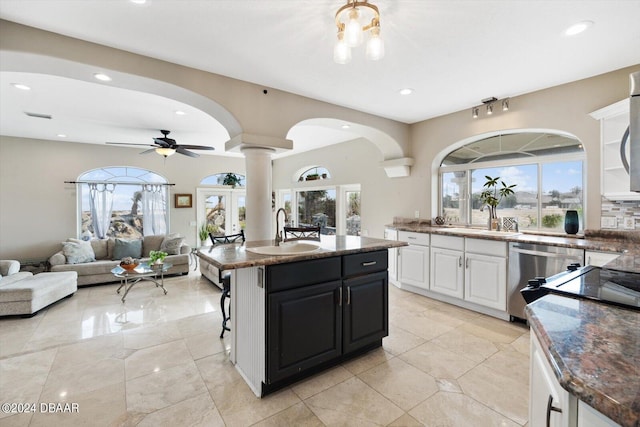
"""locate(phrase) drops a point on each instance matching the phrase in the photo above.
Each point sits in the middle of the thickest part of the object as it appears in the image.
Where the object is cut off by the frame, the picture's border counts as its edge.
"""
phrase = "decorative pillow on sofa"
(123, 248)
(171, 244)
(78, 251)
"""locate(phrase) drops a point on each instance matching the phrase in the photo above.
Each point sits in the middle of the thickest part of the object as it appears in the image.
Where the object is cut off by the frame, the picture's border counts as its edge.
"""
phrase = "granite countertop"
(234, 255)
(594, 349)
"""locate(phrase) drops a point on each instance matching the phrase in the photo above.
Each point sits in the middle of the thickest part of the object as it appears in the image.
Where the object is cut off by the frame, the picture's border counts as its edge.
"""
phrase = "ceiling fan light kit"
(351, 31)
(166, 146)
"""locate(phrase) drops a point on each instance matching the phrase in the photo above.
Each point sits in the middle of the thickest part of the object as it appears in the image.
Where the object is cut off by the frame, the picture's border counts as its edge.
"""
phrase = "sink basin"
(292, 248)
(482, 232)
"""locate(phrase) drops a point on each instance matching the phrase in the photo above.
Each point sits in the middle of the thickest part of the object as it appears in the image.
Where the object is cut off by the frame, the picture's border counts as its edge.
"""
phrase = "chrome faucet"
(278, 238)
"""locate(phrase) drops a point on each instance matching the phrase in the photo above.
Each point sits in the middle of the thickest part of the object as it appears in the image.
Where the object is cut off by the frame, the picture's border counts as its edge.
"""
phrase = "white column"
(259, 212)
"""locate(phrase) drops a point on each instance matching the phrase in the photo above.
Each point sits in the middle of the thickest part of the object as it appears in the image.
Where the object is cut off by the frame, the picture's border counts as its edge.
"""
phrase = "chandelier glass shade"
(351, 31)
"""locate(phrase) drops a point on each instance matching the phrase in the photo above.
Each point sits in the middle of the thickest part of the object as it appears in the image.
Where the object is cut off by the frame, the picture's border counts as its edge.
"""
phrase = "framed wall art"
(183, 200)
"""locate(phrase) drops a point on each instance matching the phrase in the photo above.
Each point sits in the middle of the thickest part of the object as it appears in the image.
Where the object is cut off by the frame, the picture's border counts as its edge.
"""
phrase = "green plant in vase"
(492, 194)
(157, 257)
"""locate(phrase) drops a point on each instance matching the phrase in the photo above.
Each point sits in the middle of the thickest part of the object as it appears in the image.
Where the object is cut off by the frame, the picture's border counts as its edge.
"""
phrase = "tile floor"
(157, 360)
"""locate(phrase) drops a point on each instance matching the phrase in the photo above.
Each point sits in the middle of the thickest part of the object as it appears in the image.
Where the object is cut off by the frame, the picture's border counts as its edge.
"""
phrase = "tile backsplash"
(620, 215)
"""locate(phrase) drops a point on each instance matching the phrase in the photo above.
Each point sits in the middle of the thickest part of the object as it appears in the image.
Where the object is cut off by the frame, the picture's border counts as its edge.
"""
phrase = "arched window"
(122, 202)
(546, 168)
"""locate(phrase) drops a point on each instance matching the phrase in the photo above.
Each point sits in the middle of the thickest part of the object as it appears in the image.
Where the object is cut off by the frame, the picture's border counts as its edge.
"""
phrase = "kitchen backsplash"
(620, 215)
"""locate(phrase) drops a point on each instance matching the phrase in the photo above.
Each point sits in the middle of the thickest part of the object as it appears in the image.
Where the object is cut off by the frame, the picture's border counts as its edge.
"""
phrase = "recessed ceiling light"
(406, 91)
(345, 126)
(102, 77)
(138, 1)
(20, 86)
(578, 28)
(180, 113)
(62, 135)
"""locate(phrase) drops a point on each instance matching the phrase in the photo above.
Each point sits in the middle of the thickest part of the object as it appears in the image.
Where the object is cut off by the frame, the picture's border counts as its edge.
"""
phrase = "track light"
(489, 103)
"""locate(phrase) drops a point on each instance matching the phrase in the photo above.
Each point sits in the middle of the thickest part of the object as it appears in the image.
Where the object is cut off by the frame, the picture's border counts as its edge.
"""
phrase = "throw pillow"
(171, 245)
(123, 248)
(78, 251)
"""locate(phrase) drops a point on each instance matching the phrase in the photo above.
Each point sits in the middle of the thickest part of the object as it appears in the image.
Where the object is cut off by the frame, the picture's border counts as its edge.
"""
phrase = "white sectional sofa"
(99, 271)
(22, 293)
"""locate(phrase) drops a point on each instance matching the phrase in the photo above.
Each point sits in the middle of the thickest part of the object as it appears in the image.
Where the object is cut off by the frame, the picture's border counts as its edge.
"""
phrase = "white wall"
(38, 210)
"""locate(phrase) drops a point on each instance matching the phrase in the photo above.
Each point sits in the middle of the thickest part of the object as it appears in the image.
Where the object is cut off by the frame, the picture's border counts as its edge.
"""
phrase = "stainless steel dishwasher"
(527, 261)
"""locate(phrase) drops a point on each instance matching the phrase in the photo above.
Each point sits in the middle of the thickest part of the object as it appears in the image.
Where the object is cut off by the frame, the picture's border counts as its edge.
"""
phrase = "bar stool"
(225, 277)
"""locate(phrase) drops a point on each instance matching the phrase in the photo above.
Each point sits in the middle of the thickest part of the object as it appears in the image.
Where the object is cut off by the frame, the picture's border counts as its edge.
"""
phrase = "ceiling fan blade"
(128, 143)
(196, 147)
(163, 143)
(181, 150)
(151, 150)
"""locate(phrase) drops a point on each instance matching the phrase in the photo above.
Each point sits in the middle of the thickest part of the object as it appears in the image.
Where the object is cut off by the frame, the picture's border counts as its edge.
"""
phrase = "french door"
(223, 210)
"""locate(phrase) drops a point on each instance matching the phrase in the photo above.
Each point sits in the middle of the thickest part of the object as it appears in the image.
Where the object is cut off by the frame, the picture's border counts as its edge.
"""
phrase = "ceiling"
(452, 53)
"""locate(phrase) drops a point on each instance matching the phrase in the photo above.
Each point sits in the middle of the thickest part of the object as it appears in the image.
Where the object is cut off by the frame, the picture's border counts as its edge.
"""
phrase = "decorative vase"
(494, 224)
(571, 222)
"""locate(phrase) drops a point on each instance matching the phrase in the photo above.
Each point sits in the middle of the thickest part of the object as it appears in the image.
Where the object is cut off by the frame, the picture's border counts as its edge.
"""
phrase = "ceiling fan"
(166, 146)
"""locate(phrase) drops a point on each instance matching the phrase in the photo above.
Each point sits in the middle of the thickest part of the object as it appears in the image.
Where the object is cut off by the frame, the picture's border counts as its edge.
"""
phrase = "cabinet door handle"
(459, 261)
(348, 295)
(466, 263)
(550, 408)
(340, 297)
(411, 237)
(369, 263)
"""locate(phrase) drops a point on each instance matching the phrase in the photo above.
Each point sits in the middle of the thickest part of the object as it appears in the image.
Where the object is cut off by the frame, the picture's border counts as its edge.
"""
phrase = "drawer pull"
(369, 263)
(467, 263)
(550, 408)
(340, 297)
(348, 295)
(460, 261)
(411, 237)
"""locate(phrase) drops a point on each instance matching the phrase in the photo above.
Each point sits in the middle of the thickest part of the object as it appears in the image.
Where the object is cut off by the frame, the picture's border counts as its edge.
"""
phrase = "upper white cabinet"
(614, 120)
(413, 265)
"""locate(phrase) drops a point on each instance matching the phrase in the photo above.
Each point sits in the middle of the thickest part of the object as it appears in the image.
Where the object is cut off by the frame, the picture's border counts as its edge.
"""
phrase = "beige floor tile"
(353, 402)
(198, 411)
(406, 421)
(367, 361)
(217, 371)
(83, 378)
(400, 341)
(423, 324)
(148, 336)
(297, 415)
(511, 363)
(401, 383)
(22, 378)
(206, 344)
(320, 382)
(497, 391)
(156, 359)
(456, 410)
(437, 361)
(448, 385)
(471, 346)
(103, 406)
(240, 407)
(88, 351)
(17, 420)
(165, 388)
(195, 325)
(494, 330)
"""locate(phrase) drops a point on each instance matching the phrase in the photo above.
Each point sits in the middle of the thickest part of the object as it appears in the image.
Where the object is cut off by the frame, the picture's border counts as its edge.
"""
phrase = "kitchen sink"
(482, 232)
(287, 248)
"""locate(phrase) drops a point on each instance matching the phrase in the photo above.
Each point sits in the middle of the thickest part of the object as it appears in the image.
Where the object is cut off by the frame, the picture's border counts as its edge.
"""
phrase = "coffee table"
(153, 273)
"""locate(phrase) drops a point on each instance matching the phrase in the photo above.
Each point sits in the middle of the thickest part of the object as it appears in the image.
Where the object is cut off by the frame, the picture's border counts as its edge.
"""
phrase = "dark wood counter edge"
(606, 245)
(248, 259)
(623, 415)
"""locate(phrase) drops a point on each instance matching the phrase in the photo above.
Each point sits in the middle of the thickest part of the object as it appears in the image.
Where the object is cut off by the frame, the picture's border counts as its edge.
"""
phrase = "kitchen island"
(591, 350)
(295, 315)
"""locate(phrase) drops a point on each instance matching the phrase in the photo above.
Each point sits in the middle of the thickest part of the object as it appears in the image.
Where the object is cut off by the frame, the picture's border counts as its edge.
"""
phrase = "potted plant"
(231, 179)
(203, 233)
(493, 193)
(157, 257)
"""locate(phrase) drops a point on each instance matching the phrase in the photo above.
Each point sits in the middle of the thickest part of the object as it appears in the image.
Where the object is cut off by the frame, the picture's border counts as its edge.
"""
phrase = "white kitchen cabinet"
(447, 260)
(546, 397)
(391, 234)
(589, 417)
(598, 259)
(413, 260)
(485, 273)
(614, 120)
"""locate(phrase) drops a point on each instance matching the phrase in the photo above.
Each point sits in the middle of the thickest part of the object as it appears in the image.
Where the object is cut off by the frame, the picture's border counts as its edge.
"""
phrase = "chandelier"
(351, 31)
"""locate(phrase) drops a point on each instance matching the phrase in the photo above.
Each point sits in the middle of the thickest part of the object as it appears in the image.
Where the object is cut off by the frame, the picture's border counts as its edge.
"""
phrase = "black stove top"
(609, 286)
